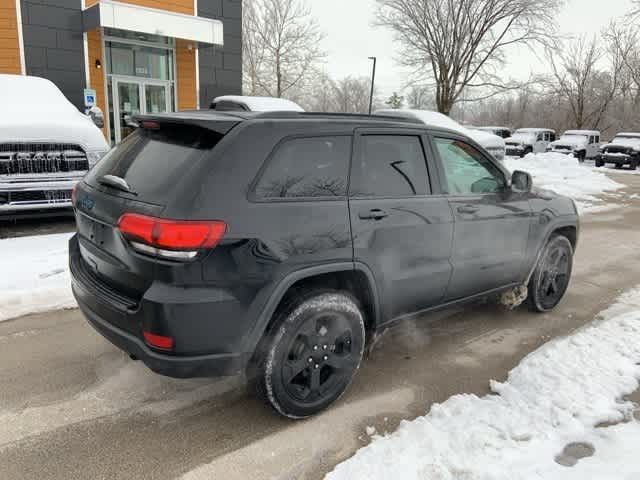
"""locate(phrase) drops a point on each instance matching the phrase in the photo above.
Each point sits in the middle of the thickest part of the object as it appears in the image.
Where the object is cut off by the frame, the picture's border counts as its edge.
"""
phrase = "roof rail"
(362, 116)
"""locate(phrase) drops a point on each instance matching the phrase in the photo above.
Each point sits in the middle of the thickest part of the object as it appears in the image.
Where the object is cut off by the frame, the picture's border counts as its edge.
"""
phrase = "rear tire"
(634, 164)
(551, 276)
(317, 345)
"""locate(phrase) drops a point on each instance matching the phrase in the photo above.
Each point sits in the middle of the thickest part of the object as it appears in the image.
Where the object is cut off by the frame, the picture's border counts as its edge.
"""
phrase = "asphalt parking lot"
(74, 407)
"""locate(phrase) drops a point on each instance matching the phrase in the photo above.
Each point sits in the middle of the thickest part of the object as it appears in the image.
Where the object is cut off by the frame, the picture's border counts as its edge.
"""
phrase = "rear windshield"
(152, 161)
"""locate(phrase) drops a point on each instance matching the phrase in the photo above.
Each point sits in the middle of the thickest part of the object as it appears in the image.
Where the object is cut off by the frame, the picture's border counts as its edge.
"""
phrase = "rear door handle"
(373, 214)
(467, 209)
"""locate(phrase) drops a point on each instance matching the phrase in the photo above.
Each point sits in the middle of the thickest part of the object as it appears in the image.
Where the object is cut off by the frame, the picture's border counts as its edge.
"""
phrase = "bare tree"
(281, 46)
(587, 89)
(351, 95)
(420, 97)
(460, 43)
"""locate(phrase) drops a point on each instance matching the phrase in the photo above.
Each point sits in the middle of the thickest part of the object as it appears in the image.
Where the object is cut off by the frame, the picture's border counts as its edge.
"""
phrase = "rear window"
(151, 161)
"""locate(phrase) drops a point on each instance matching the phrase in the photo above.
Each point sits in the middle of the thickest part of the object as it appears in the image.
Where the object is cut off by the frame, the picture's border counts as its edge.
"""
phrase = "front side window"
(307, 167)
(389, 166)
(466, 170)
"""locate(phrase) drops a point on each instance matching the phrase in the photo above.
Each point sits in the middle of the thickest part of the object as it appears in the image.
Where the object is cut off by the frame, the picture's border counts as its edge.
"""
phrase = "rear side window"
(312, 167)
(151, 161)
(390, 166)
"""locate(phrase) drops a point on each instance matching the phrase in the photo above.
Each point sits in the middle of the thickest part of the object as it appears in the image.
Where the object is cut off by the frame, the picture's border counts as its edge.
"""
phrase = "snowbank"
(555, 397)
(565, 175)
(35, 275)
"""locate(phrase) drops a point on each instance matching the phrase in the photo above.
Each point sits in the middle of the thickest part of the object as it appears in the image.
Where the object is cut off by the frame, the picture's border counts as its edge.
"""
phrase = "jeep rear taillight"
(170, 239)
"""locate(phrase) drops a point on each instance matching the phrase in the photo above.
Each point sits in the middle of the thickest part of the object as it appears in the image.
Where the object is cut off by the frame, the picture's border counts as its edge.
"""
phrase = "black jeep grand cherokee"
(278, 243)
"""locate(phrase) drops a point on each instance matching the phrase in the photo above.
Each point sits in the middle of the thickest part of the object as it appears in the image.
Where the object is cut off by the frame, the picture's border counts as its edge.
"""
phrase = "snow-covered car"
(581, 143)
(502, 132)
(46, 145)
(624, 149)
(529, 140)
(491, 143)
(230, 103)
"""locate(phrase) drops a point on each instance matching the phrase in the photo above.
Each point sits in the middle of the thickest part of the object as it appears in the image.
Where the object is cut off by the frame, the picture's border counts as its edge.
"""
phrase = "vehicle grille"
(562, 147)
(614, 149)
(26, 158)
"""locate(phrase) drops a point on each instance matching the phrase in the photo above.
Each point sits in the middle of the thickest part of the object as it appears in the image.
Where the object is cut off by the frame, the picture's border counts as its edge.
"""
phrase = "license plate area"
(57, 196)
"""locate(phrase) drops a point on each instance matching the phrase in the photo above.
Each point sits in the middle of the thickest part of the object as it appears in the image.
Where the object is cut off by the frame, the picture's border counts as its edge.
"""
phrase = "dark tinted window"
(307, 167)
(150, 161)
(390, 166)
(466, 170)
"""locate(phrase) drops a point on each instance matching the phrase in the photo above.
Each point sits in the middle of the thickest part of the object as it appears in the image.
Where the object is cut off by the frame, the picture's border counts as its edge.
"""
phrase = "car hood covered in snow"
(436, 119)
(35, 110)
(572, 143)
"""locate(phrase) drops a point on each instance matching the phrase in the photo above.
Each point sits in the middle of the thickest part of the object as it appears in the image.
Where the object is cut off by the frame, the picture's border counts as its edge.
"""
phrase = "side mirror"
(521, 182)
(96, 115)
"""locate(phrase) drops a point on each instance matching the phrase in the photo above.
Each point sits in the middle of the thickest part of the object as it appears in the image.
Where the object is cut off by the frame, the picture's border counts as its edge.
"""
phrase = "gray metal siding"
(53, 47)
(221, 67)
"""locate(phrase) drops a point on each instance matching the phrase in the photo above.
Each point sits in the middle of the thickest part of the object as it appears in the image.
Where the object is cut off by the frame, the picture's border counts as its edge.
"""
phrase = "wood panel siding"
(9, 42)
(186, 75)
(96, 75)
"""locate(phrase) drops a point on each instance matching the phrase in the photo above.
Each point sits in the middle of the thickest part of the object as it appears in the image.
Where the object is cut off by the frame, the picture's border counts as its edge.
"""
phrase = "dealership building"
(139, 56)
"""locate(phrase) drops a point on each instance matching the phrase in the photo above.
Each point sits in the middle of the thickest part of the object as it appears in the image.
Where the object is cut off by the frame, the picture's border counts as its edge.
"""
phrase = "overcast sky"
(350, 38)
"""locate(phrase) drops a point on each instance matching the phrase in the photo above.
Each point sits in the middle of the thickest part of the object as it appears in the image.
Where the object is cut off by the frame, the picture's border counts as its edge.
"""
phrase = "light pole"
(373, 81)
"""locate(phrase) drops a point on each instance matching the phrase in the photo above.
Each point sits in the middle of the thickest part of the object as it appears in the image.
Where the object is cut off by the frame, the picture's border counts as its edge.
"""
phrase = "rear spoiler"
(217, 122)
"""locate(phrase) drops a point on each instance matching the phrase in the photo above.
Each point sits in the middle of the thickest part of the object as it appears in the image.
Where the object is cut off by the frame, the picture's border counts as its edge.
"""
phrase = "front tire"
(551, 276)
(599, 163)
(314, 354)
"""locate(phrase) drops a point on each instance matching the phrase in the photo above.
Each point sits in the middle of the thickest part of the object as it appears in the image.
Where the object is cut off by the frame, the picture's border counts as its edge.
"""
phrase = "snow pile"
(565, 175)
(555, 397)
(35, 275)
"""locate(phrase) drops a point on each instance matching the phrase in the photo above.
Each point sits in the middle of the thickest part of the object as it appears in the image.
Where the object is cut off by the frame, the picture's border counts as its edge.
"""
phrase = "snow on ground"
(35, 275)
(565, 175)
(554, 398)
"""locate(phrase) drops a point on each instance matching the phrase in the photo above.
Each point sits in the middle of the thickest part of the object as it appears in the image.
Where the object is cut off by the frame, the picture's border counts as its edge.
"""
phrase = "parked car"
(231, 103)
(281, 243)
(624, 149)
(491, 143)
(46, 145)
(581, 143)
(529, 140)
(502, 132)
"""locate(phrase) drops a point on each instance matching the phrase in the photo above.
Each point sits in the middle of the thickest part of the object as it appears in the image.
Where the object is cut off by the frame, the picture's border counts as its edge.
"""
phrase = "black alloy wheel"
(551, 276)
(314, 354)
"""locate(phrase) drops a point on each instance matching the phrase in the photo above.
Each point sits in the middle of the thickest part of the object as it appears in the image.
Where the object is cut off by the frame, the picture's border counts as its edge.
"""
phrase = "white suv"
(581, 143)
(529, 140)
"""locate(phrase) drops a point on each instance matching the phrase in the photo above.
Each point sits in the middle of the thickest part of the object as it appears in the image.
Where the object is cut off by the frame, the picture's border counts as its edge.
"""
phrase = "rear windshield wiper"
(117, 183)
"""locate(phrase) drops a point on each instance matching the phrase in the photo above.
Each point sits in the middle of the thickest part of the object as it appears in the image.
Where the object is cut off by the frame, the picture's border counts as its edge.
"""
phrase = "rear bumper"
(168, 365)
(208, 339)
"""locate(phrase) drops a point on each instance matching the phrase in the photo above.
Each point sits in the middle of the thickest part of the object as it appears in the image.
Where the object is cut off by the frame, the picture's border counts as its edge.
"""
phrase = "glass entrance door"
(132, 97)
(156, 98)
(127, 103)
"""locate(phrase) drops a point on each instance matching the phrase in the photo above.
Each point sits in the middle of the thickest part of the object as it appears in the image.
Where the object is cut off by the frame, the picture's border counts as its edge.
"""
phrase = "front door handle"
(373, 214)
(467, 209)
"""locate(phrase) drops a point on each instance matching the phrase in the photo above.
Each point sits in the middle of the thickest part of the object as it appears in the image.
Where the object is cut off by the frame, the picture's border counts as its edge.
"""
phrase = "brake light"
(175, 239)
(158, 341)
